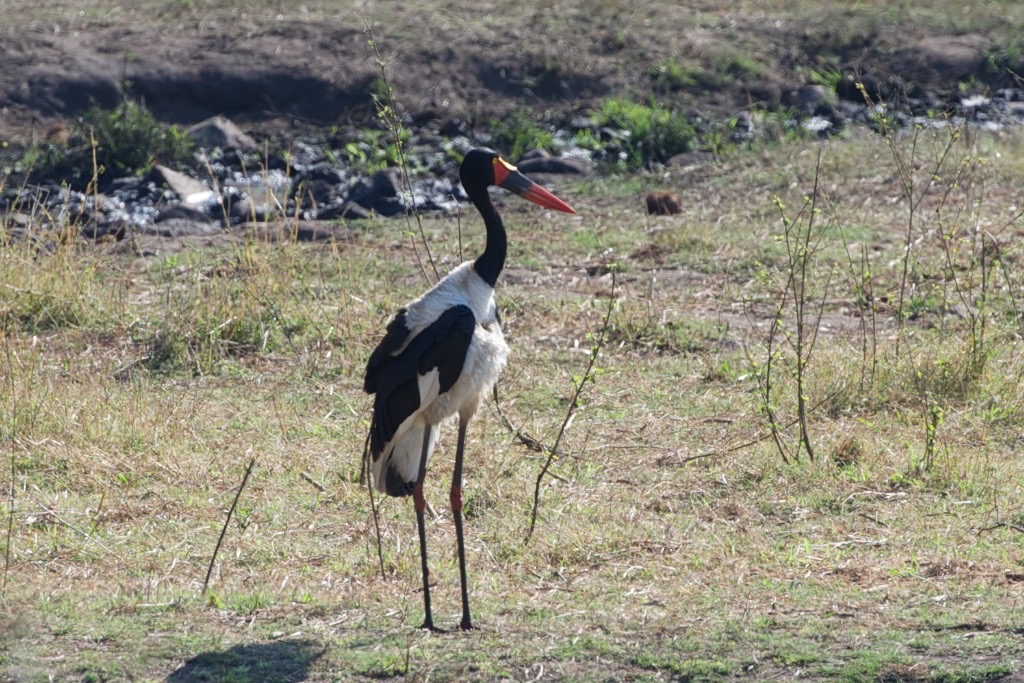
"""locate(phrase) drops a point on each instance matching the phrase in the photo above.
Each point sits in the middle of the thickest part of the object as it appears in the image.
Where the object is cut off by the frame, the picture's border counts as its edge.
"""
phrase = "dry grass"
(647, 564)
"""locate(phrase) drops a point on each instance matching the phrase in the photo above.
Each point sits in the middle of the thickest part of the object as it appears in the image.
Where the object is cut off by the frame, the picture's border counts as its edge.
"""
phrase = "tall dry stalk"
(795, 290)
(588, 377)
(388, 113)
(227, 521)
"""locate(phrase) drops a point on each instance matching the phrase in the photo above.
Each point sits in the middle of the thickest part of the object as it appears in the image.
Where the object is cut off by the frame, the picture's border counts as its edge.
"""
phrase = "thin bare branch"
(747, 444)
(364, 477)
(525, 439)
(227, 520)
(588, 376)
(10, 526)
(387, 111)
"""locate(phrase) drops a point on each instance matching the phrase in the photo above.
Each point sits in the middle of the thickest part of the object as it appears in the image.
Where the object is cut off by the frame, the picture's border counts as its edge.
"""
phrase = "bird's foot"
(467, 625)
(428, 625)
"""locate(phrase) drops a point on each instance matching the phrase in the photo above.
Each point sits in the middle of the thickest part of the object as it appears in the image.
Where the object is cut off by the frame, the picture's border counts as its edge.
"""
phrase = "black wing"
(393, 339)
(394, 378)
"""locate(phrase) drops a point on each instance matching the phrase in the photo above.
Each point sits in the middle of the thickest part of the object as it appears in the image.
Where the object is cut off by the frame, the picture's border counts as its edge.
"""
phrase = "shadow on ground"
(281, 661)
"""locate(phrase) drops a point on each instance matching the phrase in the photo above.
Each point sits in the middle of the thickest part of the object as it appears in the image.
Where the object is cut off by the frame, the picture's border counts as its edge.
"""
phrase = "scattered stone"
(189, 190)
(539, 161)
(811, 98)
(114, 230)
(222, 133)
(239, 206)
(317, 192)
(349, 210)
(326, 172)
(15, 219)
(180, 227)
(301, 156)
(690, 159)
(664, 204)
(180, 212)
(379, 192)
(743, 127)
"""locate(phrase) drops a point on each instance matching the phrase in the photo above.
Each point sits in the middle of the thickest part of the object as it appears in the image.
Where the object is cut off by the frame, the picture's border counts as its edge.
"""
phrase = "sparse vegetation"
(107, 144)
(126, 424)
(653, 132)
(373, 150)
(672, 541)
(518, 133)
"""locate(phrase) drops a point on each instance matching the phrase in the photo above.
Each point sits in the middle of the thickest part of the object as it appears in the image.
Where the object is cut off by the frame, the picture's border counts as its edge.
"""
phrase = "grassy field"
(677, 538)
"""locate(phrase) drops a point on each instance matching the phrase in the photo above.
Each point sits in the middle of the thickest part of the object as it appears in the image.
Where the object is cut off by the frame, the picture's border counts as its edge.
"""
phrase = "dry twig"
(224, 530)
(588, 376)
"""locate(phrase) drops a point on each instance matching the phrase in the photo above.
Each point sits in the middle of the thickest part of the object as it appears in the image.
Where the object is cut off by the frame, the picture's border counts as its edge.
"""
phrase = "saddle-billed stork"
(439, 357)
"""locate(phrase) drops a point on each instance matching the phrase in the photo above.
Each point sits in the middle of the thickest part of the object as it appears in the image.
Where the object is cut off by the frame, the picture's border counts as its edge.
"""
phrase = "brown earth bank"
(275, 72)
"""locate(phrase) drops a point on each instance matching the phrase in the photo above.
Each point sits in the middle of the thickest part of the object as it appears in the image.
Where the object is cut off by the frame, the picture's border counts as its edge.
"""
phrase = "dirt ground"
(289, 72)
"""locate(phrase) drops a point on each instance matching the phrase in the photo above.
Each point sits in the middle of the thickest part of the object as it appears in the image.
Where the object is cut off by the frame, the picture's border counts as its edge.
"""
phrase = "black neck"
(490, 263)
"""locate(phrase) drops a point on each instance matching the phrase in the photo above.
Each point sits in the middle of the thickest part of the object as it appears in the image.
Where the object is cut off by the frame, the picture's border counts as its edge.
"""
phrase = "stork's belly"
(485, 359)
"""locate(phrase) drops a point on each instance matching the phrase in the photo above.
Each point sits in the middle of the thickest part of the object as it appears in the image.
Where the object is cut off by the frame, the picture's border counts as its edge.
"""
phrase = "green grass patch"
(108, 143)
(653, 132)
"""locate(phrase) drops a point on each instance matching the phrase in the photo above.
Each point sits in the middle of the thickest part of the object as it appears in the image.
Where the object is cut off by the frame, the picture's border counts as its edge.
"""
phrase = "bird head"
(487, 167)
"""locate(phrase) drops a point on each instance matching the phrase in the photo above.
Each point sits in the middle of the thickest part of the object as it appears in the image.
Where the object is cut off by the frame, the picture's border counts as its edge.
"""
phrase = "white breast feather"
(485, 359)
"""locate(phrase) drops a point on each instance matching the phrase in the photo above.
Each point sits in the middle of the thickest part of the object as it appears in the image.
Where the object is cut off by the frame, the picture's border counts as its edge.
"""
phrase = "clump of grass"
(374, 150)
(654, 132)
(519, 133)
(672, 75)
(640, 329)
(42, 292)
(230, 311)
(106, 144)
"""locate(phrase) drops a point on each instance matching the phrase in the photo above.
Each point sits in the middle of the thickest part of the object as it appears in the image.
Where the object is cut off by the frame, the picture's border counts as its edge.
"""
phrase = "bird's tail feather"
(397, 469)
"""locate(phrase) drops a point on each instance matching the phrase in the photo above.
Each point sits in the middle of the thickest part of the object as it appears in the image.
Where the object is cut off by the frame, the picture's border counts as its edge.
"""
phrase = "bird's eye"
(500, 161)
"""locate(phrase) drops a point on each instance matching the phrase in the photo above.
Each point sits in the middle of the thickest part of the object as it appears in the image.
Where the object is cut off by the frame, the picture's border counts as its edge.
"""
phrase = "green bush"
(519, 133)
(671, 75)
(107, 144)
(129, 140)
(655, 133)
(373, 150)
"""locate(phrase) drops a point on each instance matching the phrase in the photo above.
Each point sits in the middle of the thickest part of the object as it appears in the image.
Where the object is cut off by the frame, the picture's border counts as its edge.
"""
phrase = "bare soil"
(287, 72)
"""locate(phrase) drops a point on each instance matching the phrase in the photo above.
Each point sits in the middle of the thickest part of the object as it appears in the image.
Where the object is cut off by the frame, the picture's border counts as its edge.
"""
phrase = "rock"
(438, 194)
(810, 98)
(325, 172)
(349, 210)
(14, 219)
(539, 161)
(189, 190)
(690, 159)
(180, 227)
(127, 186)
(455, 127)
(114, 229)
(664, 204)
(180, 211)
(379, 192)
(317, 192)
(221, 132)
(301, 156)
